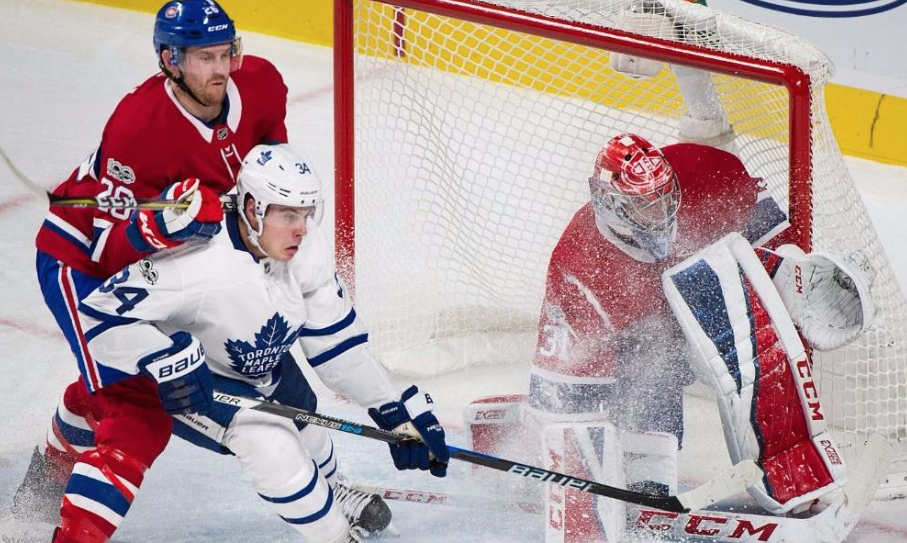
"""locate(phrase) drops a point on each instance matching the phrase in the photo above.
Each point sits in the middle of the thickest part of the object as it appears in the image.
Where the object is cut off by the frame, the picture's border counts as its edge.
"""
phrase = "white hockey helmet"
(277, 174)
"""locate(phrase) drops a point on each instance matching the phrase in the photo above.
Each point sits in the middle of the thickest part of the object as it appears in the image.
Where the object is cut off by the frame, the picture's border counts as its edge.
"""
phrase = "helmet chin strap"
(253, 233)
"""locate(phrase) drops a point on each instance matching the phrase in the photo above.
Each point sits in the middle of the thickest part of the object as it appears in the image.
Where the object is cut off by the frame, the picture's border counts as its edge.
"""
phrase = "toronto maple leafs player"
(223, 315)
(606, 384)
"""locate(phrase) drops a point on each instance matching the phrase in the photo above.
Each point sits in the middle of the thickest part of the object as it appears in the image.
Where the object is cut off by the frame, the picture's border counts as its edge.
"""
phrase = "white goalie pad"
(747, 349)
(591, 452)
(495, 426)
(828, 296)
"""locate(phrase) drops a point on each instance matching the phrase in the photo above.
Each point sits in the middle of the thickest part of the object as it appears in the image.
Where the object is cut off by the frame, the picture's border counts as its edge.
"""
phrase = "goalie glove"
(411, 416)
(648, 19)
(828, 296)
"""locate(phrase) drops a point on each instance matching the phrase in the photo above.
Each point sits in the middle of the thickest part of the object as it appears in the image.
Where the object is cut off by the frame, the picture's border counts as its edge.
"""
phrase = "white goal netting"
(472, 148)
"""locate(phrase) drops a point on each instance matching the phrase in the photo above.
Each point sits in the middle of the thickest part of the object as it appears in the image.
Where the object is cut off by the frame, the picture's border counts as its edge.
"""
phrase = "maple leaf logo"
(271, 343)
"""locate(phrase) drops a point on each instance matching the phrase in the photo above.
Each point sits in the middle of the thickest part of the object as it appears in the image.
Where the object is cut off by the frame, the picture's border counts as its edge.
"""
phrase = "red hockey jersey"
(150, 142)
(597, 295)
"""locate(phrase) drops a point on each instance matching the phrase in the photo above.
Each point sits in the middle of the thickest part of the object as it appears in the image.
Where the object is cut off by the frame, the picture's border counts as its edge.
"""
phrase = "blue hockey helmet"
(193, 23)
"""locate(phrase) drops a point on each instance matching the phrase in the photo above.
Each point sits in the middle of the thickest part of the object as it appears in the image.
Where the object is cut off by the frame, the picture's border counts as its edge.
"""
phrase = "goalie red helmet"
(635, 194)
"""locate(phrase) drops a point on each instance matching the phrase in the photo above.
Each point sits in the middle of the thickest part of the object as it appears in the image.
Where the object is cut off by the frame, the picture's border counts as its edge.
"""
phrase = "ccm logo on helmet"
(215, 28)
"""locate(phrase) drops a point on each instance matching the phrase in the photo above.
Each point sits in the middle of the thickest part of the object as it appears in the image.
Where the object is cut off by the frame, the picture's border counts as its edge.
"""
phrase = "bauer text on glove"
(184, 382)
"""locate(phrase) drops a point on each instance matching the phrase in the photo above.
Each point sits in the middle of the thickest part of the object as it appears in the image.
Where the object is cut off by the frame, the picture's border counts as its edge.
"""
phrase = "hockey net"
(466, 131)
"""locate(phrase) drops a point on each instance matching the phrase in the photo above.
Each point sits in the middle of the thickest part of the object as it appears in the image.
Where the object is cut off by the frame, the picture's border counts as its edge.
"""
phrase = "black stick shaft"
(669, 503)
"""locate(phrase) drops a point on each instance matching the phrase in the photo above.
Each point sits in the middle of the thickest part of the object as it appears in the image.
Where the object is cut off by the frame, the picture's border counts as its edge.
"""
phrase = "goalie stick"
(726, 484)
(726, 523)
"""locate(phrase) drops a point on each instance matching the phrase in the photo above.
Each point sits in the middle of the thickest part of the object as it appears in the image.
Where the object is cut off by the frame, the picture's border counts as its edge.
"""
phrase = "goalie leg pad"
(650, 462)
(495, 427)
(592, 452)
(747, 349)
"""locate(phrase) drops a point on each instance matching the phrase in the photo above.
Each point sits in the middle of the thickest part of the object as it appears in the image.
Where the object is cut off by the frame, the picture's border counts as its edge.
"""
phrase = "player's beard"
(210, 94)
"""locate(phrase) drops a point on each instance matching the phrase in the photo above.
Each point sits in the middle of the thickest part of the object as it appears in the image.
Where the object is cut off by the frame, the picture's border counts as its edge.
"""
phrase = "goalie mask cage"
(465, 134)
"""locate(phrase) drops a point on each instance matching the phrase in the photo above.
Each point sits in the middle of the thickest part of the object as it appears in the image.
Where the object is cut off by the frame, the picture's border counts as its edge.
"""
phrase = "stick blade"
(724, 485)
(863, 480)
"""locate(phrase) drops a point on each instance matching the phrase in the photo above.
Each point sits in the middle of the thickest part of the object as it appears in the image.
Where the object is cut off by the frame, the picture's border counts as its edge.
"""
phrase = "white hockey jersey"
(246, 312)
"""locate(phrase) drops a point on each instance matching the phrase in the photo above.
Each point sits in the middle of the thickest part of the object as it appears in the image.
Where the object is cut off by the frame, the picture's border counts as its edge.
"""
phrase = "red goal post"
(794, 79)
(465, 130)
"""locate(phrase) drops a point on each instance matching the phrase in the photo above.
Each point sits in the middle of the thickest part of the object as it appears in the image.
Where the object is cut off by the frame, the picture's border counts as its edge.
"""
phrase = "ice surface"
(63, 67)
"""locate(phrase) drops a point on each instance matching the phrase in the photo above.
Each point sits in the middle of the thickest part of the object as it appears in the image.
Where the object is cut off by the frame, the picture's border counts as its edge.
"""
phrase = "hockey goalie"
(606, 385)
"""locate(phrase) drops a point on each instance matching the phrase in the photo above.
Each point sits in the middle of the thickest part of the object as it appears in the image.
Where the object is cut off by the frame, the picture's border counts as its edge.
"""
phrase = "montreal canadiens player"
(194, 120)
(233, 307)
(606, 384)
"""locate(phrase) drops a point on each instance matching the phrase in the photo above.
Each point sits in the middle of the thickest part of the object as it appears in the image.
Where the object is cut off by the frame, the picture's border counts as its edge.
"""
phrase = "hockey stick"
(726, 484)
(228, 202)
(428, 497)
(722, 525)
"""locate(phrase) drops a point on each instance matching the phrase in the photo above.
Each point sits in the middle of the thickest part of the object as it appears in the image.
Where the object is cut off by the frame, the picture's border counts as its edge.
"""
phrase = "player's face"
(283, 230)
(206, 71)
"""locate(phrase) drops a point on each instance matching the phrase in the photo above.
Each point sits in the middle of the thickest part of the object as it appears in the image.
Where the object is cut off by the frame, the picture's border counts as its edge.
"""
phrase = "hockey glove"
(828, 295)
(184, 382)
(152, 230)
(428, 451)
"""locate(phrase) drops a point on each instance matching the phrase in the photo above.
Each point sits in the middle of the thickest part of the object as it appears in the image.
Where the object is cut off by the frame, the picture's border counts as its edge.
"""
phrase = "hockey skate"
(40, 495)
(365, 511)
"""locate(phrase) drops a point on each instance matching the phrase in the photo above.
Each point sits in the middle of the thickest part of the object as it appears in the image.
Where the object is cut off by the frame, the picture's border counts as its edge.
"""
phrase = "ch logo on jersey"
(120, 172)
(271, 343)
